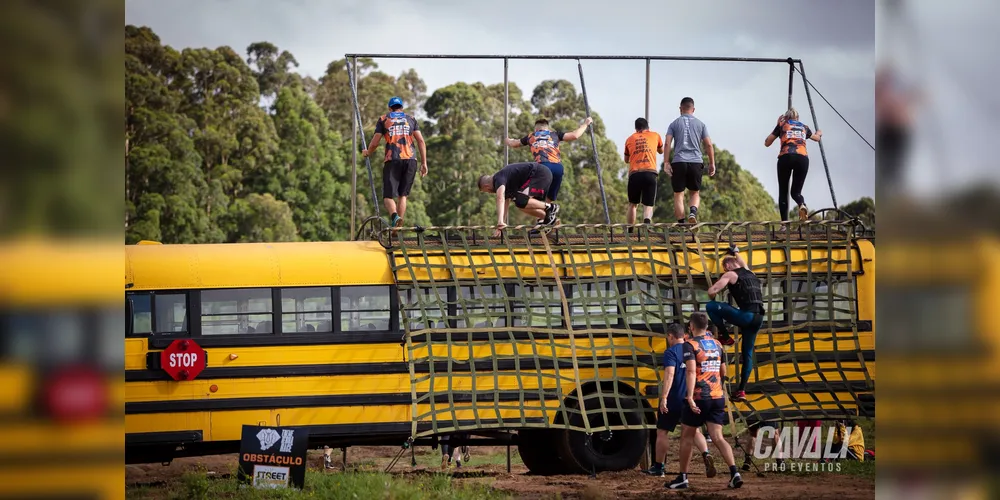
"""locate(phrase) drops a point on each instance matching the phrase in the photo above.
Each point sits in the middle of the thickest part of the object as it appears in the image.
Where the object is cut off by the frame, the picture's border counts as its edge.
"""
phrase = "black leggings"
(794, 166)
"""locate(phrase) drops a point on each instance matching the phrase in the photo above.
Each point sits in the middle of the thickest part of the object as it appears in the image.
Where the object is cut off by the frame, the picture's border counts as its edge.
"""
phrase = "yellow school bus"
(61, 319)
(340, 337)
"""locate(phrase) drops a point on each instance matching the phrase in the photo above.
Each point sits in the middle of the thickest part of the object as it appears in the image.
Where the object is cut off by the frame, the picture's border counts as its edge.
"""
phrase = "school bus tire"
(540, 453)
(606, 450)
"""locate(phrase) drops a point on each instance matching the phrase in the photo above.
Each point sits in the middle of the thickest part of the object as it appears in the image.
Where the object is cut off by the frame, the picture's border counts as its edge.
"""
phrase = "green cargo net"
(565, 328)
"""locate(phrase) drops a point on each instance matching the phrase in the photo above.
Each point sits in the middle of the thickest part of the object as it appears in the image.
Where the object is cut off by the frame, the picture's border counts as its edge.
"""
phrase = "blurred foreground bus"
(61, 319)
(313, 334)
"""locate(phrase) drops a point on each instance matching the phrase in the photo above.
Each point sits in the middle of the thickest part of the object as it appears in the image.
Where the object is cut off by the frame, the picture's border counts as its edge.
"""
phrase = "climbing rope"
(533, 330)
(364, 141)
(593, 143)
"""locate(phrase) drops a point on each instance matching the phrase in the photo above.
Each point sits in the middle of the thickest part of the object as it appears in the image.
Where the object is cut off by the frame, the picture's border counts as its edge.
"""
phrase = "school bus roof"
(60, 273)
(239, 265)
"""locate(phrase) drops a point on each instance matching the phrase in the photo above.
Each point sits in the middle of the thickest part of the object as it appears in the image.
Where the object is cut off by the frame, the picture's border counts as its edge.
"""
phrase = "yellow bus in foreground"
(328, 336)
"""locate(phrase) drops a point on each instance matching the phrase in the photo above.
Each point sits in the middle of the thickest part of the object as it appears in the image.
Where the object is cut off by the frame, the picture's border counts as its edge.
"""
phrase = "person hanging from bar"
(687, 167)
(744, 287)
(525, 183)
(641, 149)
(793, 161)
(400, 168)
(544, 144)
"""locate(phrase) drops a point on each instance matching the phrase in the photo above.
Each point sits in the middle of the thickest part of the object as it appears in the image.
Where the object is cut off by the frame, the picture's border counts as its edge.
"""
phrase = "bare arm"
(666, 154)
(668, 380)
(724, 280)
(422, 146)
(691, 376)
(574, 135)
(770, 140)
(506, 211)
(501, 205)
(376, 139)
(817, 135)
(514, 143)
(711, 151)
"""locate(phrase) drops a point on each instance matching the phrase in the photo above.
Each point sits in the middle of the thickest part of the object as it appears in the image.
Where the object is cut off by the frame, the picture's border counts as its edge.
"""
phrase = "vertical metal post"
(593, 143)
(647, 90)
(506, 113)
(352, 74)
(822, 152)
(361, 130)
(508, 458)
(791, 80)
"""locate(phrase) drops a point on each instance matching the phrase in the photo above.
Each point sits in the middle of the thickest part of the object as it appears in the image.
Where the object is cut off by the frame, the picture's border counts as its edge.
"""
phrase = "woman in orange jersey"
(641, 149)
(793, 161)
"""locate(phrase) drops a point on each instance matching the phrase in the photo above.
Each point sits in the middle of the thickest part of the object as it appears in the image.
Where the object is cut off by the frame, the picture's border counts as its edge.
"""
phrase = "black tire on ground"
(607, 450)
(539, 452)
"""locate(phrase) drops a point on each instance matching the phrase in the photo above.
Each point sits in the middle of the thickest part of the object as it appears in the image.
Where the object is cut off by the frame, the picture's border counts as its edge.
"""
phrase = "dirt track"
(617, 485)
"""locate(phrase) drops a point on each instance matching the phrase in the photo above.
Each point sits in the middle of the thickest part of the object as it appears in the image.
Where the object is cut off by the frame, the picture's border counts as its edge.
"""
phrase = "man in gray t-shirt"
(686, 167)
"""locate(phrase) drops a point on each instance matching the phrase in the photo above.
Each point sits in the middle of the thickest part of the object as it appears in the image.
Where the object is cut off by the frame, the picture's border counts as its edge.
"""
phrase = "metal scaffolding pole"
(593, 142)
(506, 114)
(647, 90)
(574, 58)
(822, 152)
(361, 130)
(791, 81)
(352, 75)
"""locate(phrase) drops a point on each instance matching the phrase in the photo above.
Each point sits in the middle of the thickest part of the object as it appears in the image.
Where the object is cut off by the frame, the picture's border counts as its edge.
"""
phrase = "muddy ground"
(488, 466)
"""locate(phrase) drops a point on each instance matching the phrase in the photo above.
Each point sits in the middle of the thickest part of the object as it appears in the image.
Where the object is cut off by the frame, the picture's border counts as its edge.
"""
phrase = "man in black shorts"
(400, 167)
(672, 403)
(686, 167)
(525, 183)
(640, 154)
(705, 362)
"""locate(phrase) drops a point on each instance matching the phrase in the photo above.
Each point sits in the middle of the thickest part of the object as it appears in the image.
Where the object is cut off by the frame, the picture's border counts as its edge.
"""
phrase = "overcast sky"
(739, 102)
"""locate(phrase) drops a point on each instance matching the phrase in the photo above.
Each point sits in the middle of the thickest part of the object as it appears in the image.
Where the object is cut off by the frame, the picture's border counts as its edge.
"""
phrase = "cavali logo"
(795, 443)
(268, 437)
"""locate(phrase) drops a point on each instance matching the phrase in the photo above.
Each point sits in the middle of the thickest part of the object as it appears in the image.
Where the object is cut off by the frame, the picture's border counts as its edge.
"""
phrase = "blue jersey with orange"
(793, 135)
(544, 145)
(397, 129)
(708, 358)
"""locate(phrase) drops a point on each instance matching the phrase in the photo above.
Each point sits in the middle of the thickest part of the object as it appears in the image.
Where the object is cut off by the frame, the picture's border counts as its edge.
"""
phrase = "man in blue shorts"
(672, 402)
(544, 144)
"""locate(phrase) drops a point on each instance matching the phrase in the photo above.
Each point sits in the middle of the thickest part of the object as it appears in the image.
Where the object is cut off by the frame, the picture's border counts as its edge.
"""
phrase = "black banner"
(273, 457)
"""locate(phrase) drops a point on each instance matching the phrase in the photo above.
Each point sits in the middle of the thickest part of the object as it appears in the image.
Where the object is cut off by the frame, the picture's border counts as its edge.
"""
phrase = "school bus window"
(171, 312)
(800, 296)
(425, 307)
(110, 348)
(236, 311)
(364, 308)
(647, 303)
(923, 316)
(306, 310)
(142, 314)
(774, 301)
(837, 295)
(692, 300)
(483, 306)
(594, 302)
(540, 306)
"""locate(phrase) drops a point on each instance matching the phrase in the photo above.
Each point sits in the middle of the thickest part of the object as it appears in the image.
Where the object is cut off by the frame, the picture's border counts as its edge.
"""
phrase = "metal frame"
(353, 74)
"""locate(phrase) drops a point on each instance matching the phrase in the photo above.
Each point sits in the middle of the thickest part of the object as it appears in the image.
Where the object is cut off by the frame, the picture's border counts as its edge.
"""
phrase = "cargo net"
(566, 328)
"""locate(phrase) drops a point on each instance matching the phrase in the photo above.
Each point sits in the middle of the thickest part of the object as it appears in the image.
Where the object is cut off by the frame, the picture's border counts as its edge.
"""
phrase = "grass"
(334, 486)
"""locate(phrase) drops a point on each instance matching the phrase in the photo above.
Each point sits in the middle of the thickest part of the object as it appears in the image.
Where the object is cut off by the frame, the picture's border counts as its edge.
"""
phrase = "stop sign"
(183, 359)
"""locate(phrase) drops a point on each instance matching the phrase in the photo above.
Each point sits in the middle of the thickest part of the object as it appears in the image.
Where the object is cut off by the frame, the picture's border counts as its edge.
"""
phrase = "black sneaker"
(736, 481)
(550, 214)
(679, 483)
(647, 221)
(692, 216)
(709, 465)
(746, 466)
(656, 470)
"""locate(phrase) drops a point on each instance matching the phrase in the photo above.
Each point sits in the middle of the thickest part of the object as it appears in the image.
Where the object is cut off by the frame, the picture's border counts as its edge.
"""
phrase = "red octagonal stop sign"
(183, 359)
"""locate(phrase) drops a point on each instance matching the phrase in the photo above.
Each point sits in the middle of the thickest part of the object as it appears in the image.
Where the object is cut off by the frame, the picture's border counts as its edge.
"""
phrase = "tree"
(862, 208)
(260, 218)
(270, 67)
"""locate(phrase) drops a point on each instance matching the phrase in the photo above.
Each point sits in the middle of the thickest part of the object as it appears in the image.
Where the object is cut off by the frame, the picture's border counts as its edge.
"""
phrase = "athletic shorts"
(397, 177)
(642, 188)
(686, 176)
(668, 421)
(537, 185)
(712, 410)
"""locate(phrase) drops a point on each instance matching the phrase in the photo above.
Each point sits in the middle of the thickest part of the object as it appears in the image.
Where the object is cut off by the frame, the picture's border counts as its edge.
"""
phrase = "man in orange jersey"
(544, 144)
(400, 167)
(705, 362)
(640, 154)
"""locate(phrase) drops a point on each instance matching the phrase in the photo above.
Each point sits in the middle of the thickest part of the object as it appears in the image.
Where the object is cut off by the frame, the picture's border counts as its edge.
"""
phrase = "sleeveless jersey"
(746, 291)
